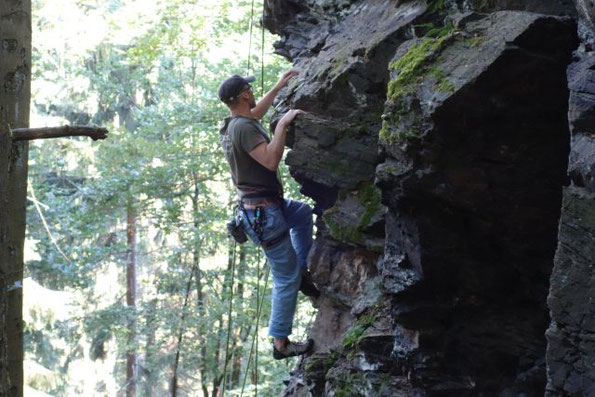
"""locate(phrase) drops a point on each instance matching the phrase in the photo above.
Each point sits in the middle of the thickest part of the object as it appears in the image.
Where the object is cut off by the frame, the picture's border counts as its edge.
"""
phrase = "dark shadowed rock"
(434, 279)
(552, 7)
(571, 335)
(332, 153)
(476, 145)
(581, 116)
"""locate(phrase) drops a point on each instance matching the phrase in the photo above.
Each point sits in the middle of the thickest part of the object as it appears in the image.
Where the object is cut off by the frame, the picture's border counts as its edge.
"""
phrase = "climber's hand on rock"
(285, 77)
(290, 115)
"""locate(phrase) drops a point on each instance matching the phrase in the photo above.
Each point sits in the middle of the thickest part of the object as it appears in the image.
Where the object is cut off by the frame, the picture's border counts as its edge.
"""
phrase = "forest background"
(129, 270)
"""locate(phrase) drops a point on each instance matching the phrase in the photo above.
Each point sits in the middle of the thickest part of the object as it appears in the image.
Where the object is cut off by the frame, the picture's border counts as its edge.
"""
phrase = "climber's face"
(248, 94)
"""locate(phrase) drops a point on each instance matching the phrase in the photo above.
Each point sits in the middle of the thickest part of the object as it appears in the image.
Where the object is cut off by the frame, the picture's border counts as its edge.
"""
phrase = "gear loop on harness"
(260, 201)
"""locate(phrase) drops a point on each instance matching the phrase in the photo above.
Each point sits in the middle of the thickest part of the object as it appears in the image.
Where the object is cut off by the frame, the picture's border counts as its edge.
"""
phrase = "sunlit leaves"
(149, 72)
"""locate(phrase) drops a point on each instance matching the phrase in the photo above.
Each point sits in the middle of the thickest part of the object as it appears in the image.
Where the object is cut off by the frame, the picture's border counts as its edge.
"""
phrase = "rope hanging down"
(254, 346)
(233, 265)
(45, 224)
(248, 69)
(260, 294)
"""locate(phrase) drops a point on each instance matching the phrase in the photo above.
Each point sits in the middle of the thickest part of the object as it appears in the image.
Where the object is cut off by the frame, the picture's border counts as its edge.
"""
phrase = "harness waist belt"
(274, 241)
(260, 195)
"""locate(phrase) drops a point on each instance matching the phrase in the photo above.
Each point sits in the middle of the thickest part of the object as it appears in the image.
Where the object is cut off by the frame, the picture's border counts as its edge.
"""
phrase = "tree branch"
(28, 134)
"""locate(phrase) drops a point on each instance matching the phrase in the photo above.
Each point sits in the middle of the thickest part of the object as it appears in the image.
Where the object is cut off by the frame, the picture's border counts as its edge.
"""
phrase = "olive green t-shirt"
(238, 137)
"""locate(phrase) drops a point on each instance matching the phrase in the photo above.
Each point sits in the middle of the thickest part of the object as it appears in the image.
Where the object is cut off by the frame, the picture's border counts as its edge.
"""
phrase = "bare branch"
(28, 134)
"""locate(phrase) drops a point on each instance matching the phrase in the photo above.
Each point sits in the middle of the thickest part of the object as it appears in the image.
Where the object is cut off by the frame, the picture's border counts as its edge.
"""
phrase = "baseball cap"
(232, 87)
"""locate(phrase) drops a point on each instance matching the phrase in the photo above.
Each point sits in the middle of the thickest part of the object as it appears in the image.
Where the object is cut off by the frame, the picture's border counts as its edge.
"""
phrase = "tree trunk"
(204, 370)
(15, 95)
(220, 380)
(131, 365)
(174, 379)
(151, 321)
(218, 377)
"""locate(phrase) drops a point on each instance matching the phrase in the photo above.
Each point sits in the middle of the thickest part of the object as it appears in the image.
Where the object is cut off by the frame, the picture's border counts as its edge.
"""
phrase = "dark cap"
(232, 87)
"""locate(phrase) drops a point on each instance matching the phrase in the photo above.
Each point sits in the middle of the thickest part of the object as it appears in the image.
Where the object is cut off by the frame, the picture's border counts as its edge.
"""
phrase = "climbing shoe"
(293, 349)
(307, 285)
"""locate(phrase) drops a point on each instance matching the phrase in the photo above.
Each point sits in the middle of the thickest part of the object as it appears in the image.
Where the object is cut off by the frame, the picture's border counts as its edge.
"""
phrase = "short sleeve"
(250, 137)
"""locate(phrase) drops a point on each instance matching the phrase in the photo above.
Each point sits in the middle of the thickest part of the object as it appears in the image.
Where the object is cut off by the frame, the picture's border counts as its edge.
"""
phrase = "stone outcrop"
(436, 147)
(571, 335)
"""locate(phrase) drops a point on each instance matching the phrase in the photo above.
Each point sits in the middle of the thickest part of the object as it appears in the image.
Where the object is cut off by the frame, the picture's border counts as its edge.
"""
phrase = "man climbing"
(282, 227)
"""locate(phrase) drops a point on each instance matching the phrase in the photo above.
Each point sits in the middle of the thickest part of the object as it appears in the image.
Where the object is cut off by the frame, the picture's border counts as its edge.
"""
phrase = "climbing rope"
(262, 54)
(45, 224)
(258, 292)
(259, 305)
(250, 38)
(233, 265)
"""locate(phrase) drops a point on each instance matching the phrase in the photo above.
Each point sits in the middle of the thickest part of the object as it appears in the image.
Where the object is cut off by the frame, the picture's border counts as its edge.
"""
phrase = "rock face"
(436, 148)
(571, 335)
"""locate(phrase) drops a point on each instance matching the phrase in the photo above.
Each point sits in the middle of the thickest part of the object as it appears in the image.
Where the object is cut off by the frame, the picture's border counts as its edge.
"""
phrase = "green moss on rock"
(320, 363)
(436, 6)
(369, 198)
(349, 384)
(354, 335)
(411, 69)
(342, 232)
(442, 84)
(415, 64)
(479, 5)
(395, 137)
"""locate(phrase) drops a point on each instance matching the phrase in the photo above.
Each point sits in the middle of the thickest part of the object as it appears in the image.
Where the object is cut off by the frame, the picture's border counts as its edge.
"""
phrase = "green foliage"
(436, 6)
(152, 81)
(354, 335)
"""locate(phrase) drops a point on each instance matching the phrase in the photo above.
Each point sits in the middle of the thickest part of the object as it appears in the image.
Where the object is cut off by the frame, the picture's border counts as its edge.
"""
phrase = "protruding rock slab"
(333, 153)
(341, 50)
(475, 139)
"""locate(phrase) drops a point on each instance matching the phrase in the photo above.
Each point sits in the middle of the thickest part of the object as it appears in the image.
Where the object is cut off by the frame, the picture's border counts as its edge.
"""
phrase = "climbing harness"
(260, 201)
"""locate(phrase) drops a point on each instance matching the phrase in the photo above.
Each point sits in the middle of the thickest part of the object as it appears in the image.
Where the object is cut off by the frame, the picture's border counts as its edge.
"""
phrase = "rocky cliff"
(436, 148)
(571, 335)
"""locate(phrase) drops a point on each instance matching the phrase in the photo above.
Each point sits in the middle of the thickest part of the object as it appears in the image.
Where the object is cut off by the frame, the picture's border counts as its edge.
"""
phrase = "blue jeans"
(287, 258)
